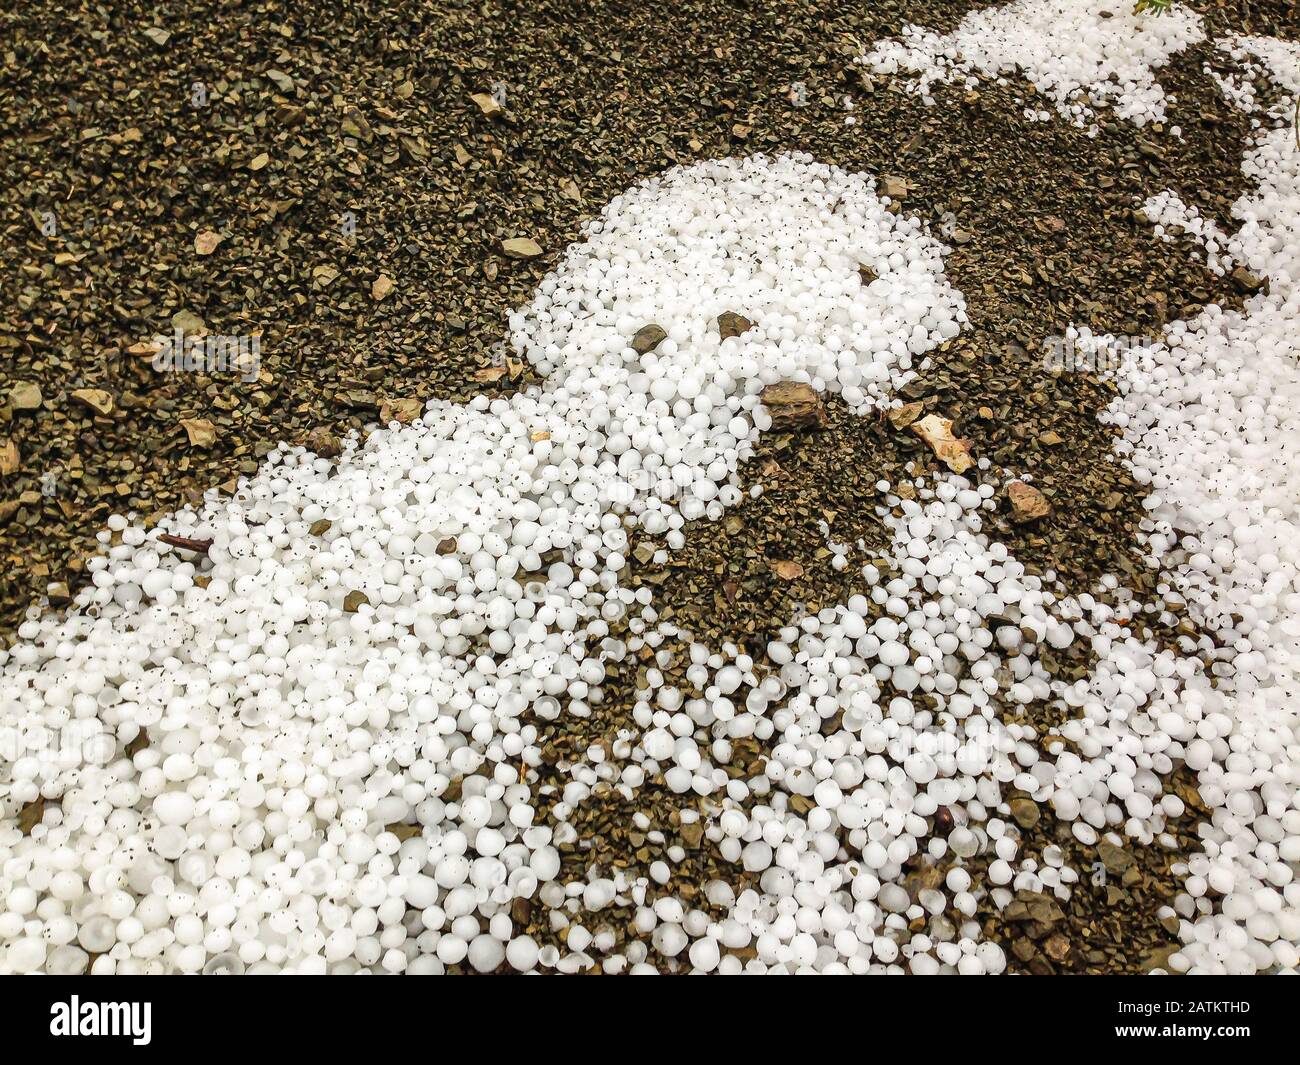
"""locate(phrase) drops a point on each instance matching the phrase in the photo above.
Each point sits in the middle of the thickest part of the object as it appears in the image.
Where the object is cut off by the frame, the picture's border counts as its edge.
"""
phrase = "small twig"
(199, 547)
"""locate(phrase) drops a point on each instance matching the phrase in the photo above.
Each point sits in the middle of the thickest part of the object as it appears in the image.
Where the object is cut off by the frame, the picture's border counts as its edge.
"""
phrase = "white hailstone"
(1065, 47)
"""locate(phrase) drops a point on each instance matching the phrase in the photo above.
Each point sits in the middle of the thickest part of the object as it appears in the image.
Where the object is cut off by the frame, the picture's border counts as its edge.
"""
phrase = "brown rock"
(25, 395)
(647, 338)
(731, 324)
(205, 243)
(1247, 282)
(96, 399)
(1027, 503)
(902, 417)
(793, 405)
(521, 248)
(893, 186)
(1025, 811)
(201, 432)
(1116, 859)
(487, 103)
(323, 443)
(402, 411)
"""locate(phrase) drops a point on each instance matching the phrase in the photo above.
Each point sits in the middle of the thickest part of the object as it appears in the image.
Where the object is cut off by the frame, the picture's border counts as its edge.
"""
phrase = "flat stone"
(521, 248)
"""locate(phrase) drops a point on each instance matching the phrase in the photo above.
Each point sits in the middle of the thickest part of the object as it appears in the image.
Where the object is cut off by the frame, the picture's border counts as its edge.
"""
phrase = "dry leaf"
(786, 570)
(202, 433)
(538, 437)
(9, 460)
(937, 432)
(381, 286)
(206, 242)
(489, 374)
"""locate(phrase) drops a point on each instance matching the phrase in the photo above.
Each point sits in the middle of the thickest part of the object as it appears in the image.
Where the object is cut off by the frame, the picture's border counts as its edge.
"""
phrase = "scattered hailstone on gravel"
(1076, 57)
(250, 758)
(1210, 417)
(1167, 210)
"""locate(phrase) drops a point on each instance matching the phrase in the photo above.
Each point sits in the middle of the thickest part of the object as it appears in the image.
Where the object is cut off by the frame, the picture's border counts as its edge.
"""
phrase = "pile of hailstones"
(235, 747)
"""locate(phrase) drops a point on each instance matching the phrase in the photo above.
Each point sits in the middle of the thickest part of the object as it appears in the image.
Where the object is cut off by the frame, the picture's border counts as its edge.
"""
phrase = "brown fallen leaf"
(787, 570)
(937, 432)
(201, 432)
(381, 286)
(205, 243)
(489, 374)
(9, 458)
(539, 436)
